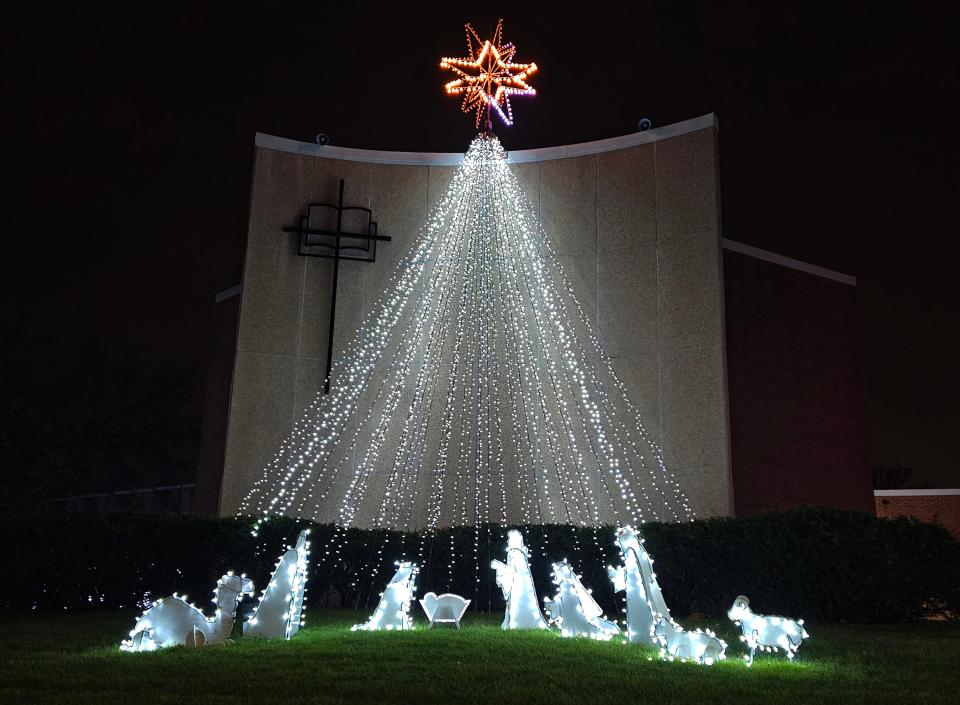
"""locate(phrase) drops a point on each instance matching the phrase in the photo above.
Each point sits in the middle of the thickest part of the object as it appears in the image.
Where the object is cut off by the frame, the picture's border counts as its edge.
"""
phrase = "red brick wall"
(938, 509)
(797, 430)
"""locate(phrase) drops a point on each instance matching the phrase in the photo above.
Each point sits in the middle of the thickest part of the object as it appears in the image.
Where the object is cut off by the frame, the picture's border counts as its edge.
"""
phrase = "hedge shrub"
(816, 563)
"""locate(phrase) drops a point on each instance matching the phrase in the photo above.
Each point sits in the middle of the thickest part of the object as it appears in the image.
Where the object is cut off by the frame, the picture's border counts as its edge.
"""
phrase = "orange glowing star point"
(487, 77)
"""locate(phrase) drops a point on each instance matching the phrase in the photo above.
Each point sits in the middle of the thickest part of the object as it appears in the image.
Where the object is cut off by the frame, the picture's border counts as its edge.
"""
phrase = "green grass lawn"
(73, 658)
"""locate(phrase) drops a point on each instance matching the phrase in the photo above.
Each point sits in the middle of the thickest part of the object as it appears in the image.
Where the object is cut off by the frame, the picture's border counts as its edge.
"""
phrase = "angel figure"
(516, 582)
(573, 608)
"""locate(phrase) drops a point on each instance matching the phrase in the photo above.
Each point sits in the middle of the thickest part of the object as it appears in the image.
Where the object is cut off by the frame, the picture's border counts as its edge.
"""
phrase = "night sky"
(128, 143)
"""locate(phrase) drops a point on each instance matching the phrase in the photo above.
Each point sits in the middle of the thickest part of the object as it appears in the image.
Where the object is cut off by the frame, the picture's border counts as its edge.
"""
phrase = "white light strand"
(476, 364)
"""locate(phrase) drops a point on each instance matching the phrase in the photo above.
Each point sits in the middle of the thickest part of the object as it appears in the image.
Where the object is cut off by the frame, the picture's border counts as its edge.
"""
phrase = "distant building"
(935, 506)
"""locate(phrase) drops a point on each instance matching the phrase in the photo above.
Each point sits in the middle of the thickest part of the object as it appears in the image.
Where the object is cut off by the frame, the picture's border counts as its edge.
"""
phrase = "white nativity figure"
(645, 603)
(516, 582)
(768, 633)
(444, 609)
(676, 643)
(393, 611)
(175, 622)
(279, 614)
(573, 608)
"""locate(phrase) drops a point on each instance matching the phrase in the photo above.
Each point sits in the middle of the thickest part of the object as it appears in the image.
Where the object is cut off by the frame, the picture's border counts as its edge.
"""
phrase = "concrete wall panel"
(692, 406)
(687, 191)
(271, 301)
(568, 201)
(627, 197)
(627, 311)
(261, 415)
(691, 314)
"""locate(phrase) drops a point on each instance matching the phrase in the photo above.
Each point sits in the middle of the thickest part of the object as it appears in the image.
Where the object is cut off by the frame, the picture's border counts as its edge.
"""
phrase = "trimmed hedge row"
(816, 563)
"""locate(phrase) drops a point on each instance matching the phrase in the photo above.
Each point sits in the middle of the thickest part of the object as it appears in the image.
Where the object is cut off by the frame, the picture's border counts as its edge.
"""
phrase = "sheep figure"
(676, 643)
(766, 632)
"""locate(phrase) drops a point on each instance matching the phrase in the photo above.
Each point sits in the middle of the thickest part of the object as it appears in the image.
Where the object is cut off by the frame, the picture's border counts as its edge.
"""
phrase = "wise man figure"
(573, 608)
(514, 578)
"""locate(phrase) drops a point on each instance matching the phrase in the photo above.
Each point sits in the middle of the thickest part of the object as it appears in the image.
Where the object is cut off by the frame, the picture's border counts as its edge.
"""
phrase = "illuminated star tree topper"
(488, 76)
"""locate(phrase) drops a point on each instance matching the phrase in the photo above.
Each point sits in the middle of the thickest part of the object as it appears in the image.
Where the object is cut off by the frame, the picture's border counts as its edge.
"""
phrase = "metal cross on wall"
(336, 244)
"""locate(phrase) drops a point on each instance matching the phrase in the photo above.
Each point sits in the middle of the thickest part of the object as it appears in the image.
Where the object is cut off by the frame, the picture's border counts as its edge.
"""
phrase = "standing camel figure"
(516, 582)
(175, 622)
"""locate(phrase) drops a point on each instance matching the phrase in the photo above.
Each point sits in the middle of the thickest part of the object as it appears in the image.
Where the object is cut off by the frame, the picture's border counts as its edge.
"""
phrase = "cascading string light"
(356, 360)
(529, 252)
(559, 342)
(476, 363)
(433, 285)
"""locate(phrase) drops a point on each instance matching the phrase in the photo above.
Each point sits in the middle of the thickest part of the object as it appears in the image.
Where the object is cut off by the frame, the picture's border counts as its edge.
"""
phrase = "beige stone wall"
(636, 229)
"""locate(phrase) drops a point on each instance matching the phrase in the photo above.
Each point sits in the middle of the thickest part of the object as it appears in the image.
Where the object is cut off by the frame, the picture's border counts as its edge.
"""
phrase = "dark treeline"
(78, 417)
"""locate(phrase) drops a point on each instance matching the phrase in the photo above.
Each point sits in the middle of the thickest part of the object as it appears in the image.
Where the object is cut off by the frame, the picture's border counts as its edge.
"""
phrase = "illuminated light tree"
(476, 368)
(516, 582)
(476, 390)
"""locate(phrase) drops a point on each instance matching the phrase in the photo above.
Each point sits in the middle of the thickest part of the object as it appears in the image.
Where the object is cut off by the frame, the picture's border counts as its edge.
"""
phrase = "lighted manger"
(573, 608)
(279, 613)
(444, 609)
(515, 581)
(175, 622)
(393, 610)
(769, 633)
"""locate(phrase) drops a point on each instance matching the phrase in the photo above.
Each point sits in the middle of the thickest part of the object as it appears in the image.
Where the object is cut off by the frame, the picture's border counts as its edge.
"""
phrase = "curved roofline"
(283, 144)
